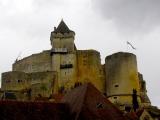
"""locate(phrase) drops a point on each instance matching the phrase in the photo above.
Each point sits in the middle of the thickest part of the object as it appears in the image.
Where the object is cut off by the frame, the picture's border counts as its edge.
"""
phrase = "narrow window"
(19, 81)
(116, 85)
(127, 108)
(115, 97)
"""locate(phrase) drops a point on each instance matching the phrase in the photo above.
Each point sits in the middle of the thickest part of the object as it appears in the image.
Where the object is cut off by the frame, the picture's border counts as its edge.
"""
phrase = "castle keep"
(64, 67)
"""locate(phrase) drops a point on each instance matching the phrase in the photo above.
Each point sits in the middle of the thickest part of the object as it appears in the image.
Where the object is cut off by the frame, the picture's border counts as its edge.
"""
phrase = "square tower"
(63, 54)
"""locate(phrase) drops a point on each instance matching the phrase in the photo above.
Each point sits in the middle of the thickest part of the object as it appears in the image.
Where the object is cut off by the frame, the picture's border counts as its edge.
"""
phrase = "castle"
(64, 67)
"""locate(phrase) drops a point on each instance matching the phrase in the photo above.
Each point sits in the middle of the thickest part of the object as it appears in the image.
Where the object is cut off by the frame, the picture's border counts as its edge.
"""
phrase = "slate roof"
(87, 103)
(62, 28)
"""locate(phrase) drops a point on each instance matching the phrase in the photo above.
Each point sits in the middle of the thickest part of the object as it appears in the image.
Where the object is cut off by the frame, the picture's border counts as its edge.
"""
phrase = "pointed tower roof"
(87, 103)
(62, 28)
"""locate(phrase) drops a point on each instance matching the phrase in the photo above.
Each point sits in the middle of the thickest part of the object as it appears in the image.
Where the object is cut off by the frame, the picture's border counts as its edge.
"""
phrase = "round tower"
(121, 78)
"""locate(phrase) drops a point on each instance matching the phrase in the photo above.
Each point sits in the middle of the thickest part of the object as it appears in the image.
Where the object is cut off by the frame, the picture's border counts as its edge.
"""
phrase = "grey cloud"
(130, 16)
(32, 21)
(48, 3)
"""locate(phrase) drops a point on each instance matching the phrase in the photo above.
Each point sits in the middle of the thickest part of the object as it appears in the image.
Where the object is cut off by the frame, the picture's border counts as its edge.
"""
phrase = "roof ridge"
(62, 28)
(75, 103)
(83, 99)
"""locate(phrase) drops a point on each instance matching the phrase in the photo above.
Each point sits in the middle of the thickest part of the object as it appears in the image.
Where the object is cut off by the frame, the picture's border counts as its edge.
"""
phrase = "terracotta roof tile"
(87, 103)
(131, 116)
(14, 110)
(139, 112)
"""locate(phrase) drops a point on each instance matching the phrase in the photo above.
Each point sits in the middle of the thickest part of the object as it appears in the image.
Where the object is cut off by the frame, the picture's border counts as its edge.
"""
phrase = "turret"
(121, 78)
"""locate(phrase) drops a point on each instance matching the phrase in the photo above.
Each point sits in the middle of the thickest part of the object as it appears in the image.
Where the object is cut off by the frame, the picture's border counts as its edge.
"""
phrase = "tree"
(134, 100)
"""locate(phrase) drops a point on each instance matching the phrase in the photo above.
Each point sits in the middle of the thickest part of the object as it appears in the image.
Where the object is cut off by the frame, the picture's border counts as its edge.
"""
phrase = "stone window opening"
(127, 108)
(19, 81)
(115, 97)
(77, 84)
(99, 105)
(105, 94)
(116, 85)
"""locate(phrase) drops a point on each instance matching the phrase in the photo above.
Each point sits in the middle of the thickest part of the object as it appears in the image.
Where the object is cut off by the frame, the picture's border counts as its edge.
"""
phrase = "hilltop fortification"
(64, 67)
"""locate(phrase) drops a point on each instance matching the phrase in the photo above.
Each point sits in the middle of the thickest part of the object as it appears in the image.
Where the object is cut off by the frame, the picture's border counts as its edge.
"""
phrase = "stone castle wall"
(86, 68)
(89, 68)
(14, 81)
(35, 63)
(42, 83)
(68, 76)
(118, 77)
(66, 40)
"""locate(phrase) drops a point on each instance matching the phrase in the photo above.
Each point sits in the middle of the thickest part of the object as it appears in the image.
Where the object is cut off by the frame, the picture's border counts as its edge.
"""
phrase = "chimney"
(54, 28)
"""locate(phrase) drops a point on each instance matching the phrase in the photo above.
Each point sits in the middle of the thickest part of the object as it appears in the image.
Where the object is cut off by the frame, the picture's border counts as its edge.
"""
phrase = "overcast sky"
(104, 25)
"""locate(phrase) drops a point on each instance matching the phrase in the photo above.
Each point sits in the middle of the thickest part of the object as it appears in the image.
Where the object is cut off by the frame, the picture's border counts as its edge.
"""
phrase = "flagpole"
(127, 50)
